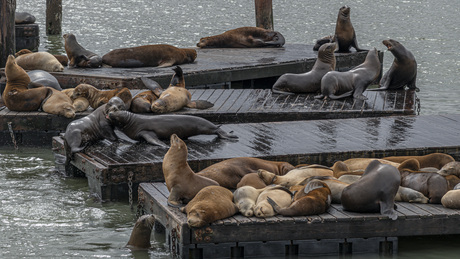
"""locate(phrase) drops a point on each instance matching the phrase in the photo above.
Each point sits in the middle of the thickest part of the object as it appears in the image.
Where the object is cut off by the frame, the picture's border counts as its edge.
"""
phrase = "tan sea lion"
(160, 55)
(80, 103)
(317, 200)
(337, 85)
(16, 96)
(437, 160)
(98, 97)
(282, 196)
(245, 199)
(38, 61)
(451, 199)
(62, 59)
(309, 82)
(140, 235)
(251, 179)
(175, 97)
(210, 204)
(244, 37)
(79, 56)
(228, 173)
(335, 185)
(183, 184)
(59, 103)
(294, 176)
(360, 164)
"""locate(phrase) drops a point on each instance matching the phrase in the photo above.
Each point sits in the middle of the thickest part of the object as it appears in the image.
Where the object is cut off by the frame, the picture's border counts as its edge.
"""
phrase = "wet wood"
(53, 17)
(7, 31)
(264, 14)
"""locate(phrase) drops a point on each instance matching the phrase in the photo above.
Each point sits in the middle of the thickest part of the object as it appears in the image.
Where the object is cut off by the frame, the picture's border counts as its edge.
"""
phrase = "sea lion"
(140, 235)
(153, 128)
(251, 179)
(59, 103)
(23, 18)
(360, 164)
(245, 199)
(282, 196)
(210, 204)
(160, 55)
(335, 186)
(98, 97)
(79, 56)
(345, 35)
(62, 59)
(450, 168)
(183, 184)
(452, 181)
(38, 61)
(175, 97)
(322, 41)
(317, 200)
(437, 160)
(403, 70)
(91, 128)
(375, 191)
(244, 37)
(142, 102)
(337, 85)
(80, 103)
(16, 96)
(41, 77)
(228, 173)
(451, 199)
(294, 176)
(309, 82)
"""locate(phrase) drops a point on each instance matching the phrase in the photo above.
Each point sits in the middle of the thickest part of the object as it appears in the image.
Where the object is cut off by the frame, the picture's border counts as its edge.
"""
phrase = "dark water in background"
(45, 215)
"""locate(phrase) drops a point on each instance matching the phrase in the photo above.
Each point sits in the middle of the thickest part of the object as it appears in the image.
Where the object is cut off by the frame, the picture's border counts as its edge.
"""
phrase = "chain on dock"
(417, 104)
(10, 128)
(130, 189)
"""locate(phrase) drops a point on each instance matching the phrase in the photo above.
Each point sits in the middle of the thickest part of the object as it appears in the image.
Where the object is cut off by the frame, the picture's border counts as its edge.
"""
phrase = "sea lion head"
(22, 52)
(140, 235)
(190, 55)
(158, 106)
(390, 44)
(68, 110)
(264, 210)
(195, 218)
(115, 104)
(14, 72)
(451, 168)
(82, 90)
(344, 11)
(69, 36)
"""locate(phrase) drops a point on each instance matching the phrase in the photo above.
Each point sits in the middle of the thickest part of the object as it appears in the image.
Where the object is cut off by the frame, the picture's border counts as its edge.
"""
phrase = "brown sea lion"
(160, 55)
(38, 61)
(142, 102)
(317, 200)
(337, 85)
(62, 59)
(245, 199)
(375, 191)
(140, 235)
(452, 181)
(79, 56)
(91, 128)
(282, 196)
(451, 199)
(244, 37)
(98, 97)
(228, 173)
(335, 185)
(345, 35)
(183, 184)
(403, 70)
(175, 97)
(294, 176)
(59, 103)
(210, 204)
(16, 96)
(309, 82)
(437, 160)
(360, 164)
(251, 179)
(80, 103)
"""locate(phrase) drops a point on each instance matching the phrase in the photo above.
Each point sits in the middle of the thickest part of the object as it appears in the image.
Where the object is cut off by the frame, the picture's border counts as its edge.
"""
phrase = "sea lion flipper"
(178, 77)
(167, 63)
(387, 209)
(224, 135)
(275, 206)
(200, 104)
(347, 94)
(152, 138)
(152, 85)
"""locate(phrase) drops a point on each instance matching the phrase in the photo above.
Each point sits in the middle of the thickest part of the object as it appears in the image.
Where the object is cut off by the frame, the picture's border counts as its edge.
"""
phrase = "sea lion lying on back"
(294, 176)
(244, 37)
(79, 56)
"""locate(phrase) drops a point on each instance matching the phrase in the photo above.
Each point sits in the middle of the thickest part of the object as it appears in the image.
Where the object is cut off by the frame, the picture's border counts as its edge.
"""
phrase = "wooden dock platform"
(337, 232)
(230, 106)
(108, 165)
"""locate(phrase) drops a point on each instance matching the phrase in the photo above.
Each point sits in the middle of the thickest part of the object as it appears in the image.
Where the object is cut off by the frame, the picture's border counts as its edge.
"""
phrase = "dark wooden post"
(264, 14)
(53, 17)
(7, 32)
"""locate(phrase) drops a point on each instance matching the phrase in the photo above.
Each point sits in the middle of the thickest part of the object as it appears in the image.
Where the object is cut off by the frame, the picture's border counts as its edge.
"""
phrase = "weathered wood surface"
(297, 142)
(413, 220)
(212, 66)
(7, 31)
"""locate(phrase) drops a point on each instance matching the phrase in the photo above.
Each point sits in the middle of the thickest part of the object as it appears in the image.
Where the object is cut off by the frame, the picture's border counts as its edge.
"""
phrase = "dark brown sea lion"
(79, 56)
(244, 37)
(337, 85)
(161, 55)
(182, 183)
(140, 235)
(142, 102)
(309, 82)
(91, 128)
(317, 200)
(252, 179)
(403, 70)
(79, 103)
(437, 160)
(62, 59)
(38, 61)
(375, 191)
(210, 204)
(345, 35)
(98, 97)
(156, 127)
(23, 18)
(16, 96)
(228, 173)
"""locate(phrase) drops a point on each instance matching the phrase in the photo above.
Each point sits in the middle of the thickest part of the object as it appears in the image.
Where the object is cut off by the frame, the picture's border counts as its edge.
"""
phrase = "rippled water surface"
(45, 215)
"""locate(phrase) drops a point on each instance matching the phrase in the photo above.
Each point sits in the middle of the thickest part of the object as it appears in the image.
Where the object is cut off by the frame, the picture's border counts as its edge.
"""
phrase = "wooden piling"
(7, 32)
(53, 17)
(264, 14)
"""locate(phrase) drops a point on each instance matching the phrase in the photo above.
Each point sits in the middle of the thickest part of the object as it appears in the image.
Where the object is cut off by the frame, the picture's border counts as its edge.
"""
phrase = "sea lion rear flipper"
(178, 77)
(281, 92)
(387, 209)
(312, 185)
(152, 138)
(200, 104)
(335, 97)
(152, 86)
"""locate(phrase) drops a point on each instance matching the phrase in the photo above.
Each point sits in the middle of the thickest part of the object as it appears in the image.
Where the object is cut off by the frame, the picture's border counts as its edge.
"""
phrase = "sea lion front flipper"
(152, 85)
(167, 63)
(313, 185)
(387, 209)
(275, 206)
(173, 199)
(199, 104)
(152, 138)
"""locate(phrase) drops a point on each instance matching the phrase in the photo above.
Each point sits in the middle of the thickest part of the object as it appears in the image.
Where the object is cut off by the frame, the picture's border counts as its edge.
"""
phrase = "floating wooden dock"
(337, 232)
(108, 166)
(230, 106)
